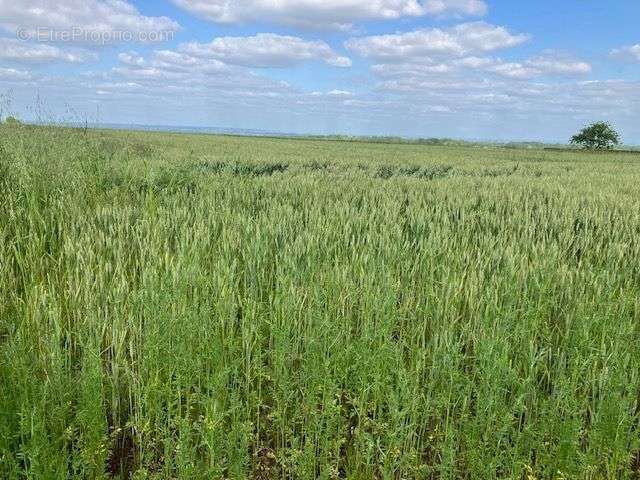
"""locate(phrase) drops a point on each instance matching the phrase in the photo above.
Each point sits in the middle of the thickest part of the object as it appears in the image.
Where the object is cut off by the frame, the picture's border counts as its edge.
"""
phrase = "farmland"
(202, 307)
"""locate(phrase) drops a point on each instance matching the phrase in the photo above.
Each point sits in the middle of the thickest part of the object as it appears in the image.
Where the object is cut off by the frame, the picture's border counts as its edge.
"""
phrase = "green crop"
(203, 307)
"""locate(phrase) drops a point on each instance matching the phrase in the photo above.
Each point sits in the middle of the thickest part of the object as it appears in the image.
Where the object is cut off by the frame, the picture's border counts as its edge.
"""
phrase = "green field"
(209, 307)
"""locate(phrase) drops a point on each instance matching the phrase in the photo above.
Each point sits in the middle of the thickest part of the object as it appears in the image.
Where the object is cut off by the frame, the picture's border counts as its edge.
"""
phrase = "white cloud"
(560, 65)
(169, 60)
(424, 68)
(85, 21)
(470, 95)
(324, 13)
(19, 51)
(13, 75)
(131, 58)
(515, 70)
(543, 65)
(168, 71)
(466, 7)
(265, 50)
(331, 93)
(149, 73)
(453, 71)
(339, 93)
(421, 45)
(628, 53)
(418, 85)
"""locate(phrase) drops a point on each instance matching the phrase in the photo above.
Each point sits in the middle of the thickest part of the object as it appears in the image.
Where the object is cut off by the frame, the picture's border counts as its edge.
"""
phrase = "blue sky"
(472, 69)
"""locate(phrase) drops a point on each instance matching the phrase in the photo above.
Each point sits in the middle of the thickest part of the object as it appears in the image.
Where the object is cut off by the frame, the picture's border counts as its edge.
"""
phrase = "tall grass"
(195, 307)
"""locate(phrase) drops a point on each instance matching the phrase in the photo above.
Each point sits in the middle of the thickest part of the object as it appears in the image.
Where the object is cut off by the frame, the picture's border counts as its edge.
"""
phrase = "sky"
(468, 69)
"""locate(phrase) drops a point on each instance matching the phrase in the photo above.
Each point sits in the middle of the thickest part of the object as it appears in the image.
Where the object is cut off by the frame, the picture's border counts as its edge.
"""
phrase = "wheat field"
(211, 307)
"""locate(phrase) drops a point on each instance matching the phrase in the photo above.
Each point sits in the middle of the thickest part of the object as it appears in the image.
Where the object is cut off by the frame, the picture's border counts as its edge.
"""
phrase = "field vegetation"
(210, 307)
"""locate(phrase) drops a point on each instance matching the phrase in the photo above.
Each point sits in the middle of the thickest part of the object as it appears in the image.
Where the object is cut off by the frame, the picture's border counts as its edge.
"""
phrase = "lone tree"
(597, 136)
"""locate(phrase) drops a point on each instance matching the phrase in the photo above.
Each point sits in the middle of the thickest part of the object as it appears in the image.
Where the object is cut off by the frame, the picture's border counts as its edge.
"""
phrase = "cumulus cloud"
(558, 64)
(543, 65)
(192, 71)
(628, 53)
(503, 96)
(166, 72)
(231, 87)
(325, 13)
(172, 61)
(514, 70)
(162, 70)
(420, 45)
(418, 85)
(265, 50)
(85, 21)
(475, 70)
(19, 51)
